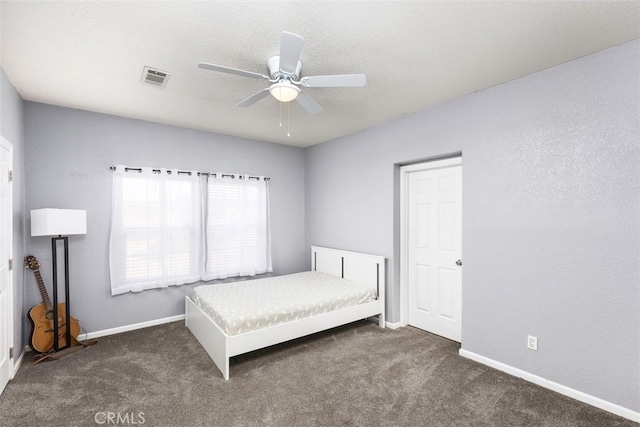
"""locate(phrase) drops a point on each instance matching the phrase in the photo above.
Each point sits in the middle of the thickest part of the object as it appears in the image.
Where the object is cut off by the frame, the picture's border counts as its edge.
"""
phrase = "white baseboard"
(17, 362)
(393, 325)
(559, 388)
(386, 324)
(133, 327)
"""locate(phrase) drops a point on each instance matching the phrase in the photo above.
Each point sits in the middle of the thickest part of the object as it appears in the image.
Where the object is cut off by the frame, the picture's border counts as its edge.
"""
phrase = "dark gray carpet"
(357, 375)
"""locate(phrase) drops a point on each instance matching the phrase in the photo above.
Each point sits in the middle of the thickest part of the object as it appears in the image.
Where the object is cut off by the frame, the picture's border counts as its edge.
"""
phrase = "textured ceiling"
(415, 54)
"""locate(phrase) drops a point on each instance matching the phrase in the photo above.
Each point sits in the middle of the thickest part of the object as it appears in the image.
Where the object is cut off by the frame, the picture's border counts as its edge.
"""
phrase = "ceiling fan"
(284, 76)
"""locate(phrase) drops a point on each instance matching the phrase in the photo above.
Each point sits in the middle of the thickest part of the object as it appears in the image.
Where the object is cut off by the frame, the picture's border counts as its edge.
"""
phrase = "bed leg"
(381, 321)
(225, 371)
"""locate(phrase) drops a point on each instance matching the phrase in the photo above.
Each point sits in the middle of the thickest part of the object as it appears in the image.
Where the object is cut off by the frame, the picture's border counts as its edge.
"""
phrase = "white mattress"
(241, 307)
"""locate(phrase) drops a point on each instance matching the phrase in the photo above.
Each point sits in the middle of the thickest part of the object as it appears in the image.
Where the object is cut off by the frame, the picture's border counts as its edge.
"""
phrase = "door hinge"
(11, 353)
(10, 264)
(10, 176)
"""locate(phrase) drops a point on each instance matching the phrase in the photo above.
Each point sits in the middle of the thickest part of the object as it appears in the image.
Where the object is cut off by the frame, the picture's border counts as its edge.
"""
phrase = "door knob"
(459, 262)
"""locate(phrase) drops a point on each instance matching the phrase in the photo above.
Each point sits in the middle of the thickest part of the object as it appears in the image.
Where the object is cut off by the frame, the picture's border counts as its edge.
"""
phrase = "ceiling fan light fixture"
(284, 91)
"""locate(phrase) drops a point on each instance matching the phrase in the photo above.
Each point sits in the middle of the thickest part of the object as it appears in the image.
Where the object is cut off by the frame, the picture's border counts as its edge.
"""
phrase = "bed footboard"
(212, 339)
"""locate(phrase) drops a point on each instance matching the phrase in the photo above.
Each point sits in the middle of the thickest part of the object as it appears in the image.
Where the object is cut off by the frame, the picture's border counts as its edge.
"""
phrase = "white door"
(6, 233)
(433, 210)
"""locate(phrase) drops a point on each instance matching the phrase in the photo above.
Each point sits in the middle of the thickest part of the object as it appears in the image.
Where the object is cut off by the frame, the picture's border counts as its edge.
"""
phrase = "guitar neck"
(43, 291)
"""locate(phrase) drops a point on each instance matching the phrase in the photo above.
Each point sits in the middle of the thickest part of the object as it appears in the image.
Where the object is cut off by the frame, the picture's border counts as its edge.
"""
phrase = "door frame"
(4, 144)
(404, 220)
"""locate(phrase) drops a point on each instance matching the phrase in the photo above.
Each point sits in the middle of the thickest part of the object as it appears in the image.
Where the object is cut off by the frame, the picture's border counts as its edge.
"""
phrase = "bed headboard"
(355, 266)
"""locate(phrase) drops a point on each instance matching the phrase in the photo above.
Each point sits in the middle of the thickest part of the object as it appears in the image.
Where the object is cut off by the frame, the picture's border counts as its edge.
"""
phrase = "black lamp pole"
(67, 319)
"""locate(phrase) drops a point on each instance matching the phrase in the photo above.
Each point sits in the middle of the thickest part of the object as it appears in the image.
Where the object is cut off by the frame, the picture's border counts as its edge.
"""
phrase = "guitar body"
(41, 338)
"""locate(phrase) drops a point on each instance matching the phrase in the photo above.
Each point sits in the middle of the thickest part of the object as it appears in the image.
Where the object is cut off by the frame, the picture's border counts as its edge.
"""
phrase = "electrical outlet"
(532, 343)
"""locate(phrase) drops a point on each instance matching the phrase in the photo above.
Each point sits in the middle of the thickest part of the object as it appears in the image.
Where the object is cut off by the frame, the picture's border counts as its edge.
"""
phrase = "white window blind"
(156, 232)
(238, 235)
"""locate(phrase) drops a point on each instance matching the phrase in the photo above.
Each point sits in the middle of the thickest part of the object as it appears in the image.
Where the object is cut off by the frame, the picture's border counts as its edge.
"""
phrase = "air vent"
(155, 77)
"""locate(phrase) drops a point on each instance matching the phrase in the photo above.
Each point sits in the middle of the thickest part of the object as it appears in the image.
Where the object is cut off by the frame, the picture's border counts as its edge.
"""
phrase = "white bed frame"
(363, 268)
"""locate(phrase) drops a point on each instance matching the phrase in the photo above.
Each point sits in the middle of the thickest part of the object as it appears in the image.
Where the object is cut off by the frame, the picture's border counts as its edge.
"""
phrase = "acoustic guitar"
(41, 317)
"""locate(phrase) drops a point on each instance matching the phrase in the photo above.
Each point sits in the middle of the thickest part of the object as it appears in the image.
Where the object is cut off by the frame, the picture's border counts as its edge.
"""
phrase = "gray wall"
(551, 215)
(68, 155)
(12, 129)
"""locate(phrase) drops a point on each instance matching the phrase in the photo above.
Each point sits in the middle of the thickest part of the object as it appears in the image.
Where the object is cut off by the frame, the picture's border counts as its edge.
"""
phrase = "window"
(238, 237)
(156, 232)
(165, 230)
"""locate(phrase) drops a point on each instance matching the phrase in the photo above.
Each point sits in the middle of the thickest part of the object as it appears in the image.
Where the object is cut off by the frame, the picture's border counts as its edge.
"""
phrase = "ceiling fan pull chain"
(280, 113)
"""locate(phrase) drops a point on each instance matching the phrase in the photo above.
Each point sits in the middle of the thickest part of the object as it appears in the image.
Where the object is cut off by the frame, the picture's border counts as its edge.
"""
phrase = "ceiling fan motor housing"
(273, 64)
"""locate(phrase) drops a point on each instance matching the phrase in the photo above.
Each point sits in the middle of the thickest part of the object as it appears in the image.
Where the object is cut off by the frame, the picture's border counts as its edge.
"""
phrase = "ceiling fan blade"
(254, 98)
(343, 80)
(308, 103)
(230, 70)
(290, 49)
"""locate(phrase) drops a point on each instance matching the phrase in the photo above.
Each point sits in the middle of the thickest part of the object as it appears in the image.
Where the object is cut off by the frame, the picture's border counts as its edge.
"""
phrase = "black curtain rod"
(224, 175)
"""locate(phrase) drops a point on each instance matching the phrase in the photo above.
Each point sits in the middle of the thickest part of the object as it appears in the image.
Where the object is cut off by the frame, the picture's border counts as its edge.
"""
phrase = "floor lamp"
(59, 223)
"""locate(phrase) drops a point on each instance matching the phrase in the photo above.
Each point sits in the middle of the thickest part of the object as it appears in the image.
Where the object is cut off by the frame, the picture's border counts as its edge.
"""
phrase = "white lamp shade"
(58, 222)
